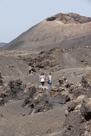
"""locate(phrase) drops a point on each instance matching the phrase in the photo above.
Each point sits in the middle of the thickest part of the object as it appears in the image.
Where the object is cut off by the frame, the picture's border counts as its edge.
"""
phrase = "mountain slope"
(2, 44)
(10, 66)
(59, 30)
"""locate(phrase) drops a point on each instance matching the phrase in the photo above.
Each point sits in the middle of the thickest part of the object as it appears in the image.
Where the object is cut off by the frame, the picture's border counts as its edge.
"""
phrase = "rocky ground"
(27, 108)
(61, 44)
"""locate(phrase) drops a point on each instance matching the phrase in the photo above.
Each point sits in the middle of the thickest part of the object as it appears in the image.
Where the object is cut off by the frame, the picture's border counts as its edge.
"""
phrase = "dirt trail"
(17, 122)
(73, 75)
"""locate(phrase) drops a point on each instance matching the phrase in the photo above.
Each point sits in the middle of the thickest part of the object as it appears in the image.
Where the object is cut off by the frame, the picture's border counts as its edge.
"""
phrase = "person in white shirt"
(42, 79)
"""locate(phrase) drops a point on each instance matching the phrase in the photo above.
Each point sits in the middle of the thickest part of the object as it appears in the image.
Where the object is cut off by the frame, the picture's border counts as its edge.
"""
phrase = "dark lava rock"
(69, 18)
(38, 100)
(78, 113)
(86, 109)
(15, 88)
(86, 80)
(60, 97)
(31, 70)
(71, 106)
(12, 91)
(1, 79)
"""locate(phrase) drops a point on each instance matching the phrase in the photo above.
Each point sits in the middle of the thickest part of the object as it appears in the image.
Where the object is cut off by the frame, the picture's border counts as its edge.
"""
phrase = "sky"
(17, 16)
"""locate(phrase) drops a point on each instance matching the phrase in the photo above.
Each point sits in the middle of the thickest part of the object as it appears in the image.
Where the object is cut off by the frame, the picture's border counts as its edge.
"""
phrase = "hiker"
(42, 79)
(49, 80)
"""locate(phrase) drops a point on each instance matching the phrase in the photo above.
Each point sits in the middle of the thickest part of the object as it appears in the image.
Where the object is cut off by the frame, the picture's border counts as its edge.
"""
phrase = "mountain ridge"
(52, 32)
(2, 44)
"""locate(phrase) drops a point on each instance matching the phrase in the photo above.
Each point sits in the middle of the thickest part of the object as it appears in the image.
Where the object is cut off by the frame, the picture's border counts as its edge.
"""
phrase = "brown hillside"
(59, 30)
(29, 109)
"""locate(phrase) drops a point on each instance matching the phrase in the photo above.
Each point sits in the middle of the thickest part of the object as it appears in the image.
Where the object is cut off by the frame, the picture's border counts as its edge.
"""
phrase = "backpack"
(42, 79)
(47, 80)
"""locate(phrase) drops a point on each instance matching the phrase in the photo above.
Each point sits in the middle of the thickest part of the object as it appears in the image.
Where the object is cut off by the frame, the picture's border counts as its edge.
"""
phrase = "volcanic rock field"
(60, 44)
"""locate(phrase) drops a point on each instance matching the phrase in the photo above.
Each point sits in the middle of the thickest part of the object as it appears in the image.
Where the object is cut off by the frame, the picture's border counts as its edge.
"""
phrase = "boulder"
(80, 98)
(86, 80)
(71, 106)
(31, 70)
(86, 108)
(14, 90)
(1, 79)
(37, 100)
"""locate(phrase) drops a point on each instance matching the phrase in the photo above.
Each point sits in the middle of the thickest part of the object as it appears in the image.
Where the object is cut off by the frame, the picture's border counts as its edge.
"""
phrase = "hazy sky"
(17, 16)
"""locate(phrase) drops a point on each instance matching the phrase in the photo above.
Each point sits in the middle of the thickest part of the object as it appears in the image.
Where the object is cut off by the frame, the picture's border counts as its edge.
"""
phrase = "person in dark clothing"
(49, 80)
